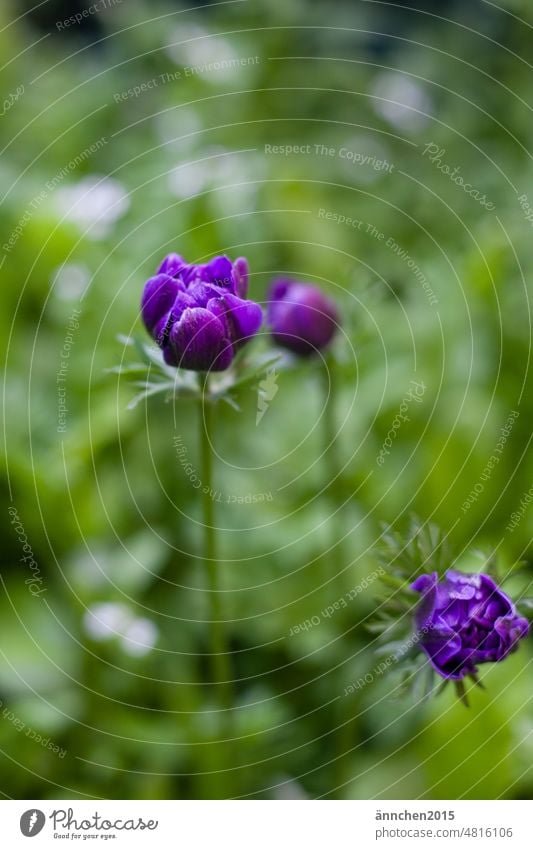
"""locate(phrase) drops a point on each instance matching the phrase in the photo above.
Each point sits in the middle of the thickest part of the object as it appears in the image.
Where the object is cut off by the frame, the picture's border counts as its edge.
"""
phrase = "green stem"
(335, 564)
(331, 465)
(220, 659)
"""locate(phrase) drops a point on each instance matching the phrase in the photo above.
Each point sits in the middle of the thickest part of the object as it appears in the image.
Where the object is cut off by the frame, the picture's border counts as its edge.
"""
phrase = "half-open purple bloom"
(463, 620)
(301, 317)
(198, 314)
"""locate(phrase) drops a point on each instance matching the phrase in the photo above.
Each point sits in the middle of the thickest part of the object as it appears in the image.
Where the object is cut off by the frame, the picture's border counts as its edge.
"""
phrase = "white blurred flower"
(106, 620)
(175, 47)
(230, 167)
(401, 100)
(219, 168)
(189, 179)
(140, 637)
(178, 128)
(201, 54)
(94, 203)
(239, 171)
(69, 281)
(289, 789)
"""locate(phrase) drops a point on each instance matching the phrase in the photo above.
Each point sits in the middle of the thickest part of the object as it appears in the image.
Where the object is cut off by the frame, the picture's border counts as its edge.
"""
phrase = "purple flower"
(301, 317)
(198, 314)
(464, 620)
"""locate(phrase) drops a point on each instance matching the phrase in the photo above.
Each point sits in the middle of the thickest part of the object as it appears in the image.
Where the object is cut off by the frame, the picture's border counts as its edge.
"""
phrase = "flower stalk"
(220, 657)
(219, 654)
(334, 563)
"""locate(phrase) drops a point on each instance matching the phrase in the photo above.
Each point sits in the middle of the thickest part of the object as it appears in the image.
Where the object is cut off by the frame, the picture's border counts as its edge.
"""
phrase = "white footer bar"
(268, 825)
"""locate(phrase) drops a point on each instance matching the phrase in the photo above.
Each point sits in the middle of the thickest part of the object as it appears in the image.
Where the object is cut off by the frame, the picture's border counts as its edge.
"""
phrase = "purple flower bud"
(241, 272)
(198, 314)
(301, 317)
(464, 620)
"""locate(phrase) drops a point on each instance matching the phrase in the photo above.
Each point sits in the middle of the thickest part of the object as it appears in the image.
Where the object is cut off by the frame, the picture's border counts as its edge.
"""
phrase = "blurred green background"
(107, 663)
